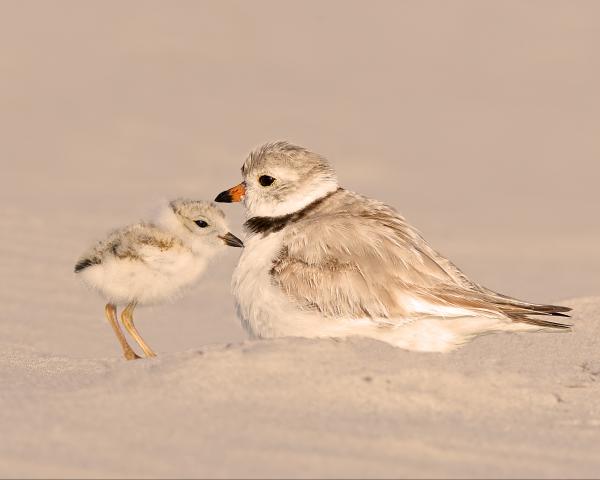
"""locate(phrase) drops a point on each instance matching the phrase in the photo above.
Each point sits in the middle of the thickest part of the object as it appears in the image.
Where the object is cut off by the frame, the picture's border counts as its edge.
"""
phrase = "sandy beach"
(479, 122)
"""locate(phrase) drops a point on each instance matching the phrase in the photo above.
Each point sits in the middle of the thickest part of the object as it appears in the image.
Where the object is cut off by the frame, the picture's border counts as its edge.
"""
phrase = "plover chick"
(147, 263)
(321, 261)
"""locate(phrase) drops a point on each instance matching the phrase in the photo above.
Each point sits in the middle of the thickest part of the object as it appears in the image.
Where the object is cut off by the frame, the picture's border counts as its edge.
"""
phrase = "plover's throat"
(266, 225)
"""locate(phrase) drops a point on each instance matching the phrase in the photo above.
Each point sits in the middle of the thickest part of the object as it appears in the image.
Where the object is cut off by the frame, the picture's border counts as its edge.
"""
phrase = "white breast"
(264, 310)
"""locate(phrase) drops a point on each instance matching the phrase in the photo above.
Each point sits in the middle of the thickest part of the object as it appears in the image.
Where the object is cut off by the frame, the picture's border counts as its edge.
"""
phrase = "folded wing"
(371, 263)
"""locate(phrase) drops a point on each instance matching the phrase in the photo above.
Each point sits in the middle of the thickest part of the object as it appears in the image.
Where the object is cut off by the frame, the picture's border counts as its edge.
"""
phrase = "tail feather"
(500, 299)
(516, 310)
(540, 322)
(84, 263)
(520, 311)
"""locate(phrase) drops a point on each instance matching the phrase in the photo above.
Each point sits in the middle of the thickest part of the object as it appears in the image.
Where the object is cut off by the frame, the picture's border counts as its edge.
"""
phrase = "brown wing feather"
(356, 257)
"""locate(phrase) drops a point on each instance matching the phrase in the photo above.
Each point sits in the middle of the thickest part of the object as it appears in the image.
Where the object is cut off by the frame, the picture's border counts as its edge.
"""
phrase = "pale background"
(478, 120)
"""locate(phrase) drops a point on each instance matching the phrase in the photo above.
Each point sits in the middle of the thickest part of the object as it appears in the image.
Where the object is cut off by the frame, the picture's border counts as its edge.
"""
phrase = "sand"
(508, 405)
(479, 123)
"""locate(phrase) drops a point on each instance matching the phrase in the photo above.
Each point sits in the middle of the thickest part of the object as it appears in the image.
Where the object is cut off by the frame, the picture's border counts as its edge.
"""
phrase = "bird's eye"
(201, 223)
(265, 180)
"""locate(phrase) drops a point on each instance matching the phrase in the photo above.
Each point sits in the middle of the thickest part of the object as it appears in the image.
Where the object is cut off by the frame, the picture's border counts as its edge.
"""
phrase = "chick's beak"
(231, 240)
(234, 194)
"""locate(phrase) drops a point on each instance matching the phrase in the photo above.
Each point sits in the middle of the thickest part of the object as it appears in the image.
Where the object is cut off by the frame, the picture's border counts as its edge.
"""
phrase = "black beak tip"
(232, 241)
(224, 197)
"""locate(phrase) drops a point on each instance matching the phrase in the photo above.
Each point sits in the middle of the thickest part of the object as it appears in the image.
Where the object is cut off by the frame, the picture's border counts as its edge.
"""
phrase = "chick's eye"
(265, 180)
(201, 223)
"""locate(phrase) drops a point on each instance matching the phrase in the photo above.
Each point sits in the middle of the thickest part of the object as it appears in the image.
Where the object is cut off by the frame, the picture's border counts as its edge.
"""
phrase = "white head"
(200, 224)
(280, 178)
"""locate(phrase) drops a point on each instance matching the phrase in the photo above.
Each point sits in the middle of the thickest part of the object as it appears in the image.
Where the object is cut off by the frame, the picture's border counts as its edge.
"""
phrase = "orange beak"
(234, 194)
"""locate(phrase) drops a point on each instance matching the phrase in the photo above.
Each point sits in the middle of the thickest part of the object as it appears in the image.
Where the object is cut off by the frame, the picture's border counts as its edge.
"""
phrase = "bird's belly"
(263, 308)
(122, 281)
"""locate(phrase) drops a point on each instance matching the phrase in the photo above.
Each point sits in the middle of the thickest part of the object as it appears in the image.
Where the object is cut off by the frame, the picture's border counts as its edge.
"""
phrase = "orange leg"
(111, 314)
(127, 319)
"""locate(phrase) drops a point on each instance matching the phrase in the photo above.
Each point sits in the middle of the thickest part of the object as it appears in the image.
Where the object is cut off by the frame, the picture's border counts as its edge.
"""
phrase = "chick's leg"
(127, 319)
(111, 314)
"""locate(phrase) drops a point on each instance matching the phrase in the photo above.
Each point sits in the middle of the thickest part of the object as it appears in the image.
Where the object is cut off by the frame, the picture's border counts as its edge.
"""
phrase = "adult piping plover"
(321, 261)
(147, 263)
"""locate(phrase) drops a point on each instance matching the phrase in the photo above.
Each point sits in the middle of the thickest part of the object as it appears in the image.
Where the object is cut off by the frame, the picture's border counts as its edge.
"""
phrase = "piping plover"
(322, 261)
(147, 263)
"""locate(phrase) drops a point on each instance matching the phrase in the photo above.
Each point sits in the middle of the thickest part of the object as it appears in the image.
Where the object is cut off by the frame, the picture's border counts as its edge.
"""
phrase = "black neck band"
(266, 225)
